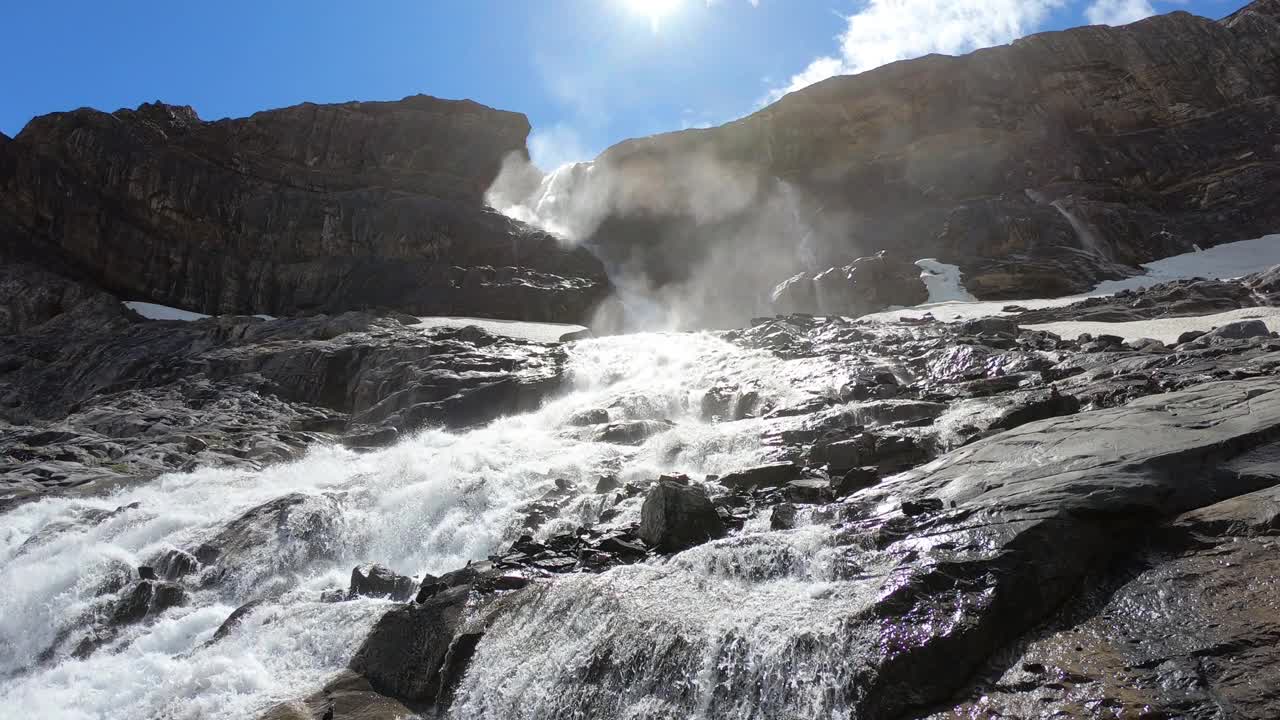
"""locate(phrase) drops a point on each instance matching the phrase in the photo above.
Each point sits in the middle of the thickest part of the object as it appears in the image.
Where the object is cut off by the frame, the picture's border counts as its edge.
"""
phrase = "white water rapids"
(430, 504)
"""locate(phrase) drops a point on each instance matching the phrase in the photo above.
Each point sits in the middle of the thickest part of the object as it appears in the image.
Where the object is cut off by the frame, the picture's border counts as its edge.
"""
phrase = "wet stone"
(677, 516)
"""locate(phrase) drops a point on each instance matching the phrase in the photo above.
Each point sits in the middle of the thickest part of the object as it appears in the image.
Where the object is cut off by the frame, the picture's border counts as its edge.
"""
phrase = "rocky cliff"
(313, 207)
(1039, 167)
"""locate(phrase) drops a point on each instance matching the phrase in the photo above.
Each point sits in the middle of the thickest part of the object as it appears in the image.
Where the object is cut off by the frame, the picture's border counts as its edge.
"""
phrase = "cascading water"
(430, 504)
(1089, 240)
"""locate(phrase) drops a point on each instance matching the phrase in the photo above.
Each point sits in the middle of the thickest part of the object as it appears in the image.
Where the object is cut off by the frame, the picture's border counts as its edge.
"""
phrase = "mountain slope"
(1039, 167)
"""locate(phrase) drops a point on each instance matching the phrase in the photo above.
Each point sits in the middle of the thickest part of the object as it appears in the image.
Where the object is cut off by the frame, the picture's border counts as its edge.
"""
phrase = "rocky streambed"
(355, 516)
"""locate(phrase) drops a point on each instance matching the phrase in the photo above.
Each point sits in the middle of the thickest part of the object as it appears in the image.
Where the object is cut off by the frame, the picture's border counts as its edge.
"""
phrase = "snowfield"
(1226, 261)
(534, 331)
(1165, 330)
(152, 311)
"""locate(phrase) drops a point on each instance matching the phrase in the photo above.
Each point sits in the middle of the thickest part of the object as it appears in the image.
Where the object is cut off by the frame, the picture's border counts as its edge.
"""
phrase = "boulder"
(1241, 330)
(678, 516)
(407, 649)
(347, 696)
(808, 491)
(866, 285)
(146, 598)
(761, 476)
(631, 432)
(853, 480)
(380, 582)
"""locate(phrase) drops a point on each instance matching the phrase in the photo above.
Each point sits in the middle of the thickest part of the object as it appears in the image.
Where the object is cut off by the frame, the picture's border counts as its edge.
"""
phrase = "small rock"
(510, 581)
(808, 491)
(583, 334)
(175, 564)
(381, 582)
(595, 416)
(381, 437)
(620, 545)
(783, 517)
(923, 506)
(1147, 345)
(429, 588)
(146, 572)
(854, 480)
(147, 597)
(998, 325)
(233, 620)
(607, 483)
(631, 432)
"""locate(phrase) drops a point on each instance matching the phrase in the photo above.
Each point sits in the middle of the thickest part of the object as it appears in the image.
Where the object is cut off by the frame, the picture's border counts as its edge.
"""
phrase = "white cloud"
(1118, 12)
(888, 30)
(557, 145)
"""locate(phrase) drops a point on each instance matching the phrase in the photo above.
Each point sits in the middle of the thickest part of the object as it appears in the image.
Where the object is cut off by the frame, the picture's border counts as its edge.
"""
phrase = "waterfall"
(429, 504)
(1088, 239)
(1084, 233)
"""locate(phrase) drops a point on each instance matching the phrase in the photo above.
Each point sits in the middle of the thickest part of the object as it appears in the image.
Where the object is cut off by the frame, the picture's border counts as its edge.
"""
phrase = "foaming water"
(429, 504)
(756, 626)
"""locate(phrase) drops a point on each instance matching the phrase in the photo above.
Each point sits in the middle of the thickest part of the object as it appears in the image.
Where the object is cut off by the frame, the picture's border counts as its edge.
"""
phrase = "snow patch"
(1222, 262)
(534, 331)
(943, 281)
(152, 311)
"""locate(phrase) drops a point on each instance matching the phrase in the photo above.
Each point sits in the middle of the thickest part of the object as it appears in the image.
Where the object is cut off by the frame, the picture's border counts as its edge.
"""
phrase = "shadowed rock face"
(98, 395)
(1038, 167)
(312, 207)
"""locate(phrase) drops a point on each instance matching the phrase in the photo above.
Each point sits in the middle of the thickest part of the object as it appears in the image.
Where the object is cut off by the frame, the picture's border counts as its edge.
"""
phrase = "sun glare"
(654, 10)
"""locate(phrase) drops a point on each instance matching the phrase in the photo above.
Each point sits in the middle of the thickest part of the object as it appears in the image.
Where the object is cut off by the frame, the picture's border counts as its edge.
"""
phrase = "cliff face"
(313, 207)
(1041, 166)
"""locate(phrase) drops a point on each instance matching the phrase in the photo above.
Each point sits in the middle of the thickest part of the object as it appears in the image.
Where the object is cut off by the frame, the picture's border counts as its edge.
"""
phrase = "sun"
(654, 10)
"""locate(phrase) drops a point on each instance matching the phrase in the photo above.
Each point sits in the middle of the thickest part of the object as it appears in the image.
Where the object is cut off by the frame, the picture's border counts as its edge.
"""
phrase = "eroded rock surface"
(97, 396)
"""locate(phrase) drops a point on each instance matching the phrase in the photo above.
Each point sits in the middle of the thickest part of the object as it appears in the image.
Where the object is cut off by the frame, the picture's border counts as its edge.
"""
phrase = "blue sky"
(588, 73)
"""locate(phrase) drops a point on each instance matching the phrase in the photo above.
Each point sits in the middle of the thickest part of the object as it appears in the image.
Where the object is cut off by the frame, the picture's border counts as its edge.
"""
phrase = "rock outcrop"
(677, 515)
(308, 208)
(867, 285)
(98, 396)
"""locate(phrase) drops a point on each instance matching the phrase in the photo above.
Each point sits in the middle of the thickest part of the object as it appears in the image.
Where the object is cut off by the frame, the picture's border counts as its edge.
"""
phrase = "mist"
(689, 241)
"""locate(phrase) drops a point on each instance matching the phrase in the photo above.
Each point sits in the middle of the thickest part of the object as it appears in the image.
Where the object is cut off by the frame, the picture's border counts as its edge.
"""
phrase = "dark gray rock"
(782, 517)
(866, 285)
(631, 432)
(853, 480)
(678, 516)
(761, 476)
(808, 491)
(380, 582)
(409, 647)
(1241, 330)
(145, 598)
